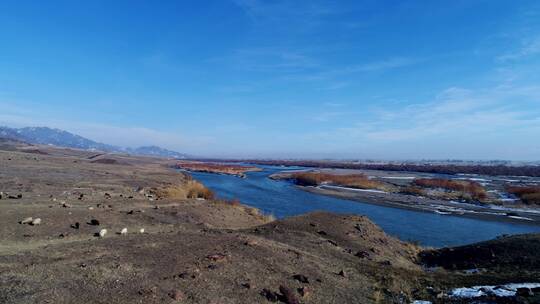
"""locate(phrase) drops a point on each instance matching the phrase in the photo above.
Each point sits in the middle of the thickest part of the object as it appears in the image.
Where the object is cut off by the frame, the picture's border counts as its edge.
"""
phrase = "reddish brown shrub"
(469, 190)
(359, 181)
(528, 194)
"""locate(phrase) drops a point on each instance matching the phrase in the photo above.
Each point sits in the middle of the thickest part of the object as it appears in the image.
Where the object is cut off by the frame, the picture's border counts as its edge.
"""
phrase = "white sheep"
(27, 220)
(36, 221)
(123, 231)
(102, 232)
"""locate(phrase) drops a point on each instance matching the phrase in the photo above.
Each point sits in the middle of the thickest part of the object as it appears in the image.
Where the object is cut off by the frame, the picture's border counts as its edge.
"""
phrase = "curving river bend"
(282, 199)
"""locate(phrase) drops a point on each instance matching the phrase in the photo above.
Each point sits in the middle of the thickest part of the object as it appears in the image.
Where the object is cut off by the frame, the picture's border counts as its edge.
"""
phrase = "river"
(283, 199)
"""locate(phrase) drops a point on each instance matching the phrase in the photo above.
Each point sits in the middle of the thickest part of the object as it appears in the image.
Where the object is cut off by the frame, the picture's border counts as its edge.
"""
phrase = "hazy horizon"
(280, 79)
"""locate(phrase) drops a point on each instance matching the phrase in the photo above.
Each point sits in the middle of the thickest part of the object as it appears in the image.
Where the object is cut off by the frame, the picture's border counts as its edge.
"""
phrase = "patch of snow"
(507, 290)
(508, 199)
(353, 189)
(525, 210)
(420, 302)
(442, 212)
(475, 179)
(521, 218)
(398, 177)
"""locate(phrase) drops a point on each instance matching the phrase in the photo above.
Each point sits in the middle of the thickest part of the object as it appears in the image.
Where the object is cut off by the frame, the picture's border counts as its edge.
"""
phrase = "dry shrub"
(467, 190)
(359, 181)
(190, 189)
(528, 194)
(413, 190)
(198, 190)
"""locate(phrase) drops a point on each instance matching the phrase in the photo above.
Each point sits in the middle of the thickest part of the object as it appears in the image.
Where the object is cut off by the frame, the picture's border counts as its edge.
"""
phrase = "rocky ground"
(205, 251)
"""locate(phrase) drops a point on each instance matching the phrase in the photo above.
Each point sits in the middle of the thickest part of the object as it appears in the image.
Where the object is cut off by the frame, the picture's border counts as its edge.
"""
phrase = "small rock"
(246, 285)
(66, 205)
(93, 222)
(322, 232)
(177, 295)
(76, 225)
(217, 257)
(250, 243)
(288, 295)
(183, 275)
(27, 220)
(361, 254)
(35, 222)
(102, 232)
(342, 273)
(386, 263)
(301, 278)
(270, 295)
(332, 243)
(304, 291)
(524, 292)
(123, 231)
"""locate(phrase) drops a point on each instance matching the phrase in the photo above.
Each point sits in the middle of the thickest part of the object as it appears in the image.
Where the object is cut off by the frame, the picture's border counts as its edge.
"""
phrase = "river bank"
(440, 207)
(217, 168)
(283, 199)
(402, 191)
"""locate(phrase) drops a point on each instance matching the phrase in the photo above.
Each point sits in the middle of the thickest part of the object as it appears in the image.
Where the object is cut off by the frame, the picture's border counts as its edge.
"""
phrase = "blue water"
(283, 199)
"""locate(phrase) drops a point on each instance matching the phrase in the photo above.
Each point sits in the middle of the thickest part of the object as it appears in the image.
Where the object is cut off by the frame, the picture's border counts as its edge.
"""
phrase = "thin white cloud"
(529, 47)
(483, 118)
(325, 73)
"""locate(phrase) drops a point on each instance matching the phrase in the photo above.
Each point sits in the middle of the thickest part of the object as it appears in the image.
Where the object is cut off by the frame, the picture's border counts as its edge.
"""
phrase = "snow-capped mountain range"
(57, 137)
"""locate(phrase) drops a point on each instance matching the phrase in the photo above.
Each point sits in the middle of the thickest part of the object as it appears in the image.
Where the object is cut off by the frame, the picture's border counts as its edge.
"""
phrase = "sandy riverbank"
(487, 211)
(410, 202)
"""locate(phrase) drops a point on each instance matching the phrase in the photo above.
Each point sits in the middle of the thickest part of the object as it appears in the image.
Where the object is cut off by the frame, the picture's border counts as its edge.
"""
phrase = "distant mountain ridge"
(57, 137)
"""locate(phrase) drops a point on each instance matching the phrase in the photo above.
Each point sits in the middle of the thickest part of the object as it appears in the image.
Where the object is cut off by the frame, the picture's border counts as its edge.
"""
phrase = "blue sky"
(253, 78)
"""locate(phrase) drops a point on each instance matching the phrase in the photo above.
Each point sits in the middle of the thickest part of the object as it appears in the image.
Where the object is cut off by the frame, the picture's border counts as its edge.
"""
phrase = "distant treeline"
(493, 170)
